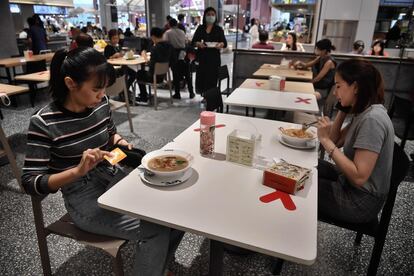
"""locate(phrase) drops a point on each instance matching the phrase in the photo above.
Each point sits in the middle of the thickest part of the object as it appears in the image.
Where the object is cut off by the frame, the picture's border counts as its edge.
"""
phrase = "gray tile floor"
(19, 253)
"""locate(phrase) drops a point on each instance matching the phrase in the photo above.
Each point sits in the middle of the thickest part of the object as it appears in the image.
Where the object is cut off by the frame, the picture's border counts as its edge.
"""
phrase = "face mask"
(210, 19)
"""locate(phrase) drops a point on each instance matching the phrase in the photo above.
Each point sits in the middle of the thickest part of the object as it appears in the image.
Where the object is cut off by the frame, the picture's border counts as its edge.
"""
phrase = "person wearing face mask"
(355, 188)
(208, 56)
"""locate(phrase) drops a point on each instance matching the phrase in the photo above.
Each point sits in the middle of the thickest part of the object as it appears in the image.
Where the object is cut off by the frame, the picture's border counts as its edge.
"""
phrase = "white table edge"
(213, 237)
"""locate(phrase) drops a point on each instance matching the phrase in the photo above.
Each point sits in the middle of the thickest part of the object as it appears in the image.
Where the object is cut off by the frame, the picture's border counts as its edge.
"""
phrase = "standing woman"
(208, 57)
(355, 188)
(292, 44)
(323, 67)
(66, 144)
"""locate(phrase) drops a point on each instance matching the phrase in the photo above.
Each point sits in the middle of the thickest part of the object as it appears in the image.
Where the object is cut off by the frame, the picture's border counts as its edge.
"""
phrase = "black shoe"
(176, 96)
(142, 99)
(192, 95)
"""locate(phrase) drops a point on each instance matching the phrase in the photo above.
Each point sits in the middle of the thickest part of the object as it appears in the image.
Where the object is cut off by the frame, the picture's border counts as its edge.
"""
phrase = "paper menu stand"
(241, 147)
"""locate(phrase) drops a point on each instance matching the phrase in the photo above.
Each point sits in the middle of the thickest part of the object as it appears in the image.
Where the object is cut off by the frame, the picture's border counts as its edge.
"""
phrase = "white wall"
(363, 11)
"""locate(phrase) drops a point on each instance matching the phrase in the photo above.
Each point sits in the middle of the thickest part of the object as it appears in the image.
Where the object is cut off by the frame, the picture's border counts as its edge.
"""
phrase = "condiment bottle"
(207, 127)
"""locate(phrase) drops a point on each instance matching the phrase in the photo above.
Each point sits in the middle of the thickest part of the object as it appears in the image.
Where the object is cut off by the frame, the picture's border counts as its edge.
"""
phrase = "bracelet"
(330, 152)
(119, 140)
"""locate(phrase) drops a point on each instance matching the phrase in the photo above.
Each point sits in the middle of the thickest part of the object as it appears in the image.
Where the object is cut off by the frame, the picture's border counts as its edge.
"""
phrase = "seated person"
(323, 67)
(112, 50)
(355, 188)
(358, 48)
(292, 44)
(262, 44)
(84, 40)
(162, 51)
(70, 157)
(377, 48)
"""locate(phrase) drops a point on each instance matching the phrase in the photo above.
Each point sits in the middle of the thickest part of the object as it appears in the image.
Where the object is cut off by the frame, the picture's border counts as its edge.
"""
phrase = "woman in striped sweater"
(67, 140)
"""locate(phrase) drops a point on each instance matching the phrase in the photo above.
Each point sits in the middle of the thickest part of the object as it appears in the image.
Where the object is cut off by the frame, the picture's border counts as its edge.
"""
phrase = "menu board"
(240, 148)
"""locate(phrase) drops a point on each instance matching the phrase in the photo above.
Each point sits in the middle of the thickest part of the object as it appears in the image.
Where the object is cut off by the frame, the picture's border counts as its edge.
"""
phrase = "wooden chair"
(160, 69)
(120, 86)
(66, 228)
(214, 100)
(375, 228)
(6, 151)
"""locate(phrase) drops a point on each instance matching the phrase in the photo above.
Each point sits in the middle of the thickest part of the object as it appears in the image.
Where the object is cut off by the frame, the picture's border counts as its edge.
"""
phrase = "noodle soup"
(167, 163)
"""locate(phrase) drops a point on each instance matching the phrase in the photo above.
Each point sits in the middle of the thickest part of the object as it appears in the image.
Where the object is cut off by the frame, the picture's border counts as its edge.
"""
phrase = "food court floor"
(19, 254)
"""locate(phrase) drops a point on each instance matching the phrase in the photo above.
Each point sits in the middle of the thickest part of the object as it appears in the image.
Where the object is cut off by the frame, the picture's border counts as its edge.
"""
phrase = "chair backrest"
(402, 107)
(35, 66)
(161, 68)
(133, 43)
(214, 100)
(117, 87)
(400, 164)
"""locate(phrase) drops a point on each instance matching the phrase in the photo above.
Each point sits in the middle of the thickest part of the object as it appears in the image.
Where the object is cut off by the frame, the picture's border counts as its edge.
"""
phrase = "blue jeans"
(157, 243)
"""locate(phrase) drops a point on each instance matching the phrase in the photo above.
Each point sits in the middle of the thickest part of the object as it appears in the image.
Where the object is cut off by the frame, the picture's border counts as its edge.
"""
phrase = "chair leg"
(10, 157)
(32, 94)
(358, 238)
(117, 264)
(41, 237)
(1, 115)
(375, 257)
(129, 109)
(277, 266)
(155, 97)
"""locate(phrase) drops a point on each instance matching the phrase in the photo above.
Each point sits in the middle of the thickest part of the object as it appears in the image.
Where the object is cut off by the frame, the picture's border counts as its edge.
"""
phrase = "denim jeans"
(157, 243)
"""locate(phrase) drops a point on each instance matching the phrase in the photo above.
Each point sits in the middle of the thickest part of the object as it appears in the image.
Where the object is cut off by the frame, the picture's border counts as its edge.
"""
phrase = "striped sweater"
(57, 138)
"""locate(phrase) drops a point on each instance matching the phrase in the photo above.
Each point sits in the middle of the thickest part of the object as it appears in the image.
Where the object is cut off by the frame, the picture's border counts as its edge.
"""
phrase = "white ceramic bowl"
(296, 141)
(162, 152)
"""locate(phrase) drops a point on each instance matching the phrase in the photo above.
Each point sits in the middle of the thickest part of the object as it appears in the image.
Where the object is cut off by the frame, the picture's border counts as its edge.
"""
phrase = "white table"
(221, 200)
(271, 99)
(291, 86)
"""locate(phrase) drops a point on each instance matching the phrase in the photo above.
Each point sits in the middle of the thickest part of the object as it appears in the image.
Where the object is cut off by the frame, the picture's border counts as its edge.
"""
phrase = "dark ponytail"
(80, 64)
(325, 44)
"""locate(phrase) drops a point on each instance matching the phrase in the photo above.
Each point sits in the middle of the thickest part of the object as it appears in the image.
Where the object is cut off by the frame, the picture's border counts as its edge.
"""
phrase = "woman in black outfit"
(208, 57)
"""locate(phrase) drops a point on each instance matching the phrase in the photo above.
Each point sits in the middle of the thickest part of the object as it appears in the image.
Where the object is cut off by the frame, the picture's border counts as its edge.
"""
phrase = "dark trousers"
(181, 70)
(145, 76)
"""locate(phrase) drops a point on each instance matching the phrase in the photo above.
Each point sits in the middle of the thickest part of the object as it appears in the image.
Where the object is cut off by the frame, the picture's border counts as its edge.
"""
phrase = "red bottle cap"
(208, 118)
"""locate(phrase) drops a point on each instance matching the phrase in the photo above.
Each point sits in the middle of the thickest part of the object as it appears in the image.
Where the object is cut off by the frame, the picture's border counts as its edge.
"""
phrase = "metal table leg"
(216, 258)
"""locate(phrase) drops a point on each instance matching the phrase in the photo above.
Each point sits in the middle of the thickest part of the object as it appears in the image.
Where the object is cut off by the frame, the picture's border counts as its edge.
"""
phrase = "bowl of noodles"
(167, 162)
(296, 135)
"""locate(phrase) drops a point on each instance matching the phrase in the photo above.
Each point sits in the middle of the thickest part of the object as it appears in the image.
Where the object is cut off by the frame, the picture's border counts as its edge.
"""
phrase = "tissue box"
(285, 177)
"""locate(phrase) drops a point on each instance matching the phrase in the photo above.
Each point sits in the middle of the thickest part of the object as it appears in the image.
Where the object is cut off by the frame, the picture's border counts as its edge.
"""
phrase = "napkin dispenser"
(241, 147)
(285, 177)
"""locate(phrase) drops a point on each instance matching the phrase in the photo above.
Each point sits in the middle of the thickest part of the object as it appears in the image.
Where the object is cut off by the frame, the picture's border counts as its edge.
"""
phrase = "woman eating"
(355, 188)
(66, 145)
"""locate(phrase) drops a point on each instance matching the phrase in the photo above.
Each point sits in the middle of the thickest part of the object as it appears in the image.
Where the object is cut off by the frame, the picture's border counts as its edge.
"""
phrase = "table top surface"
(38, 76)
(221, 199)
(17, 61)
(12, 89)
(123, 61)
(290, 86)
(271, 99)
(267, 70)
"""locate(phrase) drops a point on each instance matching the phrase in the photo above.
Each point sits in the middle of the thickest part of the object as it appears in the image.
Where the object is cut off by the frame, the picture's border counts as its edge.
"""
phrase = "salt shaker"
(207, 127)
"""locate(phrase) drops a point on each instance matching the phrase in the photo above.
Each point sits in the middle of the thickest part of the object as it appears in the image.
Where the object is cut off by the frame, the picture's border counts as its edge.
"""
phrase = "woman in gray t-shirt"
(355, 188)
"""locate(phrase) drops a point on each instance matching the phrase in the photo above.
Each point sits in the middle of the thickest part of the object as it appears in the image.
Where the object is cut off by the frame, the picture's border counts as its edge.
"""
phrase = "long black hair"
(295, 38)
(368, 79)
(80, 64)
(205, 13)
(381, 44)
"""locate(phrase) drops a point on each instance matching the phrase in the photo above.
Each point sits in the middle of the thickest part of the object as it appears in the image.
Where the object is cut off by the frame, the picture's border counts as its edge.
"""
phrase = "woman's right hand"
(90, 158)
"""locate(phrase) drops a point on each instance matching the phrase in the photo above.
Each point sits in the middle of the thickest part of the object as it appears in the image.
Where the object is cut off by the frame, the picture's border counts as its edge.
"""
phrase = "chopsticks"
(307, 125)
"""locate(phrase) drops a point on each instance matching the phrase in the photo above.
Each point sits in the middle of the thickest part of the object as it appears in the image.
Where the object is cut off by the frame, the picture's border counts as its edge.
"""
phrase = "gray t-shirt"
(373, 130)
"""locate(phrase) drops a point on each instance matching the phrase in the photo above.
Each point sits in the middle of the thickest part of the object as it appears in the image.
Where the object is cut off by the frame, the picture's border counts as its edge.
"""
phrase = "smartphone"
(345, 109)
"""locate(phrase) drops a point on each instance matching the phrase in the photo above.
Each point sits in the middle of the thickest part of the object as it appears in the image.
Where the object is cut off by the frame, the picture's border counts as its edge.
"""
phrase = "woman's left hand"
(324, 128)
(220, 45)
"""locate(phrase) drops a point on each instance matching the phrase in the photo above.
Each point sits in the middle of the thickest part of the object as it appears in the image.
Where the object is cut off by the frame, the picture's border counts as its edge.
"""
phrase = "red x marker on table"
(284, 197)
(259, 83)
(302, 100)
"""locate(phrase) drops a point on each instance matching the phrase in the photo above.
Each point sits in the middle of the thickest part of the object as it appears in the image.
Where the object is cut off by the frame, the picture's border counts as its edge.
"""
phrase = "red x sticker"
(284, 197)
(302, 100)
(259, 84)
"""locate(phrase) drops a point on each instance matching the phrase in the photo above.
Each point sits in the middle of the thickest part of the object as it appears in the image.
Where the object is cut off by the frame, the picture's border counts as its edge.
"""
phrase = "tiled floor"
(19, 253)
